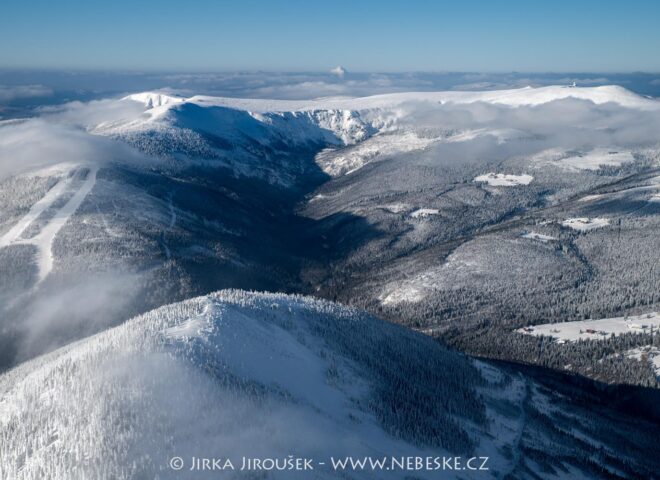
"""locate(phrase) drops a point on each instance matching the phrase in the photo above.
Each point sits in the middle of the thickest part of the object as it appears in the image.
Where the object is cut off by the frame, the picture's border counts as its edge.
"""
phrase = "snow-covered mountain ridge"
(221, 116)
(252, 363)
(230, 130)
(513, 97)
(350, 120)
(253, 374)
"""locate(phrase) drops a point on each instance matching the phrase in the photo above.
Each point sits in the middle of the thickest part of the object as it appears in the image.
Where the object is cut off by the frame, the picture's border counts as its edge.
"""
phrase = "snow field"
(504, 180)
(595, 329)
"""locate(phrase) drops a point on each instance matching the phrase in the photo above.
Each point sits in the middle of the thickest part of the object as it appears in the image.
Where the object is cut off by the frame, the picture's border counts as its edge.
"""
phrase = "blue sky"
(368, 35)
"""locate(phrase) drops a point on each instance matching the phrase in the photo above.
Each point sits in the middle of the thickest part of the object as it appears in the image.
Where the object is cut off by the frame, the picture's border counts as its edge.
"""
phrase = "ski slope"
(46, 236)
(37, 209)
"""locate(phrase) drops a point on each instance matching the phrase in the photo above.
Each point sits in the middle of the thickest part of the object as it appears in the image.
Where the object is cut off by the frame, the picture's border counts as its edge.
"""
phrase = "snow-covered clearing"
(396, 207)
(538, 236)
(591, 160)
(44, 239)
(406, 293)
(584, 224)
(424, 212)
(504, 180)
(595, 329)
(589, 198)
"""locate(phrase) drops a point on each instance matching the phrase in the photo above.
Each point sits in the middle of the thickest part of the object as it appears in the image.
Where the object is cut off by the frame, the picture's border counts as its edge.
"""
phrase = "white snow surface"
(182, 120)
(538, 236)
(584, 224)
(514, 97)
(155, 99)
(504, 180)
(395, 207)
(603, 328)
(409, 292)
(418, 286)
(424, 212)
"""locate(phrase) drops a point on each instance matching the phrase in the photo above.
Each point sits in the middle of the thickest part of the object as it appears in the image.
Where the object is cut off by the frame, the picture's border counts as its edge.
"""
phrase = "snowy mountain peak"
(214, 374)
(339, 71)
(154, 99)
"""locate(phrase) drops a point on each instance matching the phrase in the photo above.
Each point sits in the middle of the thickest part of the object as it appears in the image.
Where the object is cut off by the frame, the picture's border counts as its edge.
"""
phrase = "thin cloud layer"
(40, 142)
(12, 92)
(501, 132)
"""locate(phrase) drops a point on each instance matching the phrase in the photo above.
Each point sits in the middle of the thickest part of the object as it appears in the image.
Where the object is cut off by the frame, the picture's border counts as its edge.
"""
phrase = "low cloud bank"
(60, 135)
(66, 86)
(9, 93)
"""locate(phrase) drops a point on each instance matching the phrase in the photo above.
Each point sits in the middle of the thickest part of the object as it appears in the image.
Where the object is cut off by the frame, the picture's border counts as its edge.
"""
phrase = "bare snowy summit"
(251, 374)
(155, 99)
(339, 71)
(216, 373)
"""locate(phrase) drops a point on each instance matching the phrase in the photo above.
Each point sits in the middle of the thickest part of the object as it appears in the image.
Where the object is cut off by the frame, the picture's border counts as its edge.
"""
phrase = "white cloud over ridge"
(61, 136)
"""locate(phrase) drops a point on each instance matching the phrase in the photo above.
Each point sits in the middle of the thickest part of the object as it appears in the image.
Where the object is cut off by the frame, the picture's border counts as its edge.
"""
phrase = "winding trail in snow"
(45, 238)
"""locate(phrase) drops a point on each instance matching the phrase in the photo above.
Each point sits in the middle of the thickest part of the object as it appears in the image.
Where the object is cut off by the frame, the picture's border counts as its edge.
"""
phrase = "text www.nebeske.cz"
(348, 463)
